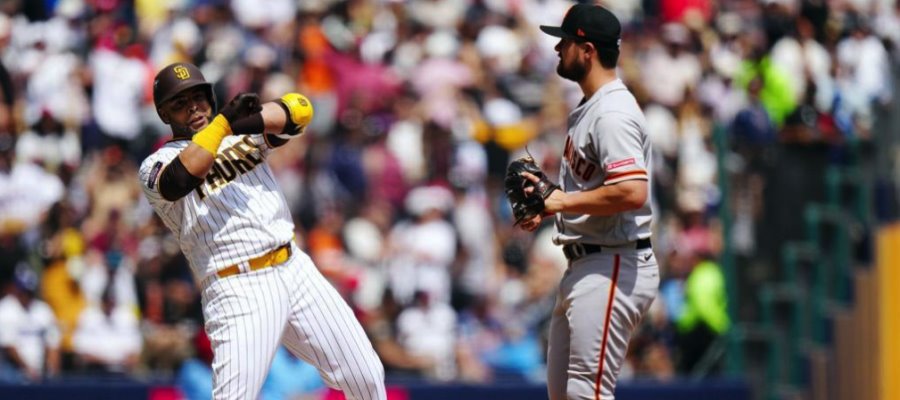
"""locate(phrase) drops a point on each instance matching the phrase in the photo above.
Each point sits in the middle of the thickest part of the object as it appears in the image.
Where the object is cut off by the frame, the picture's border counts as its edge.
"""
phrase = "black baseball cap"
(588, 22)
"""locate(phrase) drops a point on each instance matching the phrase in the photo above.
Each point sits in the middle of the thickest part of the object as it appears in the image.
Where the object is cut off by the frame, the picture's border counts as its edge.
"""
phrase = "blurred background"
(776, 134)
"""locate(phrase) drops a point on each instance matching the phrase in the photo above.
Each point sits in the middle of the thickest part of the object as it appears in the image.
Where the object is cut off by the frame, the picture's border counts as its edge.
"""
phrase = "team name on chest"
(579, 166)
(231, 162)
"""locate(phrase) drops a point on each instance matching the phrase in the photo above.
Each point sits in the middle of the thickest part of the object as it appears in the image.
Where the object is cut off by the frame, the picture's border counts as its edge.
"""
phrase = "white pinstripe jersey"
(606, 144)
(236, 214)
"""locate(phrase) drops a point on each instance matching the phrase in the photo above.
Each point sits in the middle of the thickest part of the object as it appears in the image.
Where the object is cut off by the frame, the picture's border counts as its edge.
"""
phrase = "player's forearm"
(273, 116)
(199, 156)
(188, 170)
(274, 120)
(602, 201)
(197, 160)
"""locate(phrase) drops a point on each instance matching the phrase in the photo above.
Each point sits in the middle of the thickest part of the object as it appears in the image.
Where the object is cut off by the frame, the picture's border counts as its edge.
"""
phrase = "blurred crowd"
(396, 187)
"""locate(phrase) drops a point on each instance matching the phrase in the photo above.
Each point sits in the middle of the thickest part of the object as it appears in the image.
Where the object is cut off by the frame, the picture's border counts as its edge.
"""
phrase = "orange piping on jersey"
(624, 174)
(609, 308)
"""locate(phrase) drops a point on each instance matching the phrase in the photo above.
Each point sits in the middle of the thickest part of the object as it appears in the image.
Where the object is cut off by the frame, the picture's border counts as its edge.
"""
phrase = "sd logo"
(181, 72)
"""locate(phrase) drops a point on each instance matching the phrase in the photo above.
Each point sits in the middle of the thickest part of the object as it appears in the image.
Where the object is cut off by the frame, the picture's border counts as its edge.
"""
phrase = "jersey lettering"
(225, 170)
(579, 166)
(248, 150)
(238, 159)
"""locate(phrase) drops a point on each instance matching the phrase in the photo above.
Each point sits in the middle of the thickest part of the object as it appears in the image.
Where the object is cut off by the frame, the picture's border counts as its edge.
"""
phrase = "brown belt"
(272, 258)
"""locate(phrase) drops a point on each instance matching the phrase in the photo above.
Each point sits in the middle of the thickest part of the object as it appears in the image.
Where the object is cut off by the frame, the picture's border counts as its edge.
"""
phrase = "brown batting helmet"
(176, 78)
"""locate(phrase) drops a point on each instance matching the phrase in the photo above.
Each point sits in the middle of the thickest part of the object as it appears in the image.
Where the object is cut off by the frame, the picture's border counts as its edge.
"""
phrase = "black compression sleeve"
(274, 141)
(176, 182)
(249, 125)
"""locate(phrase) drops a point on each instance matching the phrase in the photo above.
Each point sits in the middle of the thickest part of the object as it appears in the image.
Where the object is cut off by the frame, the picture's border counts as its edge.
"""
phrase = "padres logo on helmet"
(181, 72)
(176, 78)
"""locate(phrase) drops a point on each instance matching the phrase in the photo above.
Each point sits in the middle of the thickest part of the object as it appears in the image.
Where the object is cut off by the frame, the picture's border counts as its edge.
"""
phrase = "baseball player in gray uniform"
(212, 187)
(602, 212)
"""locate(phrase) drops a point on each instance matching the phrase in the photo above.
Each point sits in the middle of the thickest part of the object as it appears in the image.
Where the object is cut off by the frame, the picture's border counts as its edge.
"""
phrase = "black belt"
(575, 251)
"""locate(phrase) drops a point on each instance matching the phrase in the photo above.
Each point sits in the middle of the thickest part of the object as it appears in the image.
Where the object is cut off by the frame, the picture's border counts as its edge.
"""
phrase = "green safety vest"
(705, 299)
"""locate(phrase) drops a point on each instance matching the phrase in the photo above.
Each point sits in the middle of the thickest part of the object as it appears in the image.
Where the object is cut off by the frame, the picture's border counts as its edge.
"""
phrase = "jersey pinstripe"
(237, 213)
(295, 305)
(606, 144)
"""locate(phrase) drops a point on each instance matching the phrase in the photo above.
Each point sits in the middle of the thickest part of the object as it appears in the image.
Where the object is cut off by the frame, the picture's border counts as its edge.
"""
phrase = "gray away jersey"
(606, 144)
(236, 214)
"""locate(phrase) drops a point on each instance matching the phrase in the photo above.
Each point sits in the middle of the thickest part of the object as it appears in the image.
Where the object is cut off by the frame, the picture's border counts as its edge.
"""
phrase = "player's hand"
(241, 106)
(532, 224)
(300, 112)
(526, 196)
(553, 201)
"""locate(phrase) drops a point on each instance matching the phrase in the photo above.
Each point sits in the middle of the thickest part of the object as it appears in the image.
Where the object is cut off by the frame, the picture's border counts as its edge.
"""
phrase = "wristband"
(211, 137)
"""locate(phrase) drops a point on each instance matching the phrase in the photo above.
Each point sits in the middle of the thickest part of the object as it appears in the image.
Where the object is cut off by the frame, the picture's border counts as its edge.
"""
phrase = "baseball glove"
(526, 205)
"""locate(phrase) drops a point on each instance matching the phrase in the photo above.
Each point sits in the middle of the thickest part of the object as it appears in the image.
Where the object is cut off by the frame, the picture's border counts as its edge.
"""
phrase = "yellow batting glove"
(300, 111)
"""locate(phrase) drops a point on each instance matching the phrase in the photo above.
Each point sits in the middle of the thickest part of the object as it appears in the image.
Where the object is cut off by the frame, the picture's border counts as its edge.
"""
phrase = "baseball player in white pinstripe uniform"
(212, 187)
(602, 211)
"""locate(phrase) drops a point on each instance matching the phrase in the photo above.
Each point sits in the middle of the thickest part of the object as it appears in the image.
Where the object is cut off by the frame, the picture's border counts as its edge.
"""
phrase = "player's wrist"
(222, 123)
(555, 202)
(210, 138)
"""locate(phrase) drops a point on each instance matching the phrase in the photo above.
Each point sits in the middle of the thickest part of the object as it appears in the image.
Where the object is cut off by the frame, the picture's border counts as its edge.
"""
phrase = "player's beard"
(574, 71)
(185, 131)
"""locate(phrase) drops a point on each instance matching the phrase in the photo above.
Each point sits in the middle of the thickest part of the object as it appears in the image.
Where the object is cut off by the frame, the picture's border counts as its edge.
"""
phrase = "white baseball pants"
(248, 315)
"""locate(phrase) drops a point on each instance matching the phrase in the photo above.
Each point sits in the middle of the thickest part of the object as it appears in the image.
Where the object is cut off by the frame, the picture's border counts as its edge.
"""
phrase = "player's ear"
(164, 116)
(590, 50)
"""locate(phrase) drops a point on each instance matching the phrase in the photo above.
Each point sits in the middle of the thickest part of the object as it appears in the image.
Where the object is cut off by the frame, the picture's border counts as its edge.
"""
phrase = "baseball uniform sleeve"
(150, 171)
(620, 147)
(266, 143)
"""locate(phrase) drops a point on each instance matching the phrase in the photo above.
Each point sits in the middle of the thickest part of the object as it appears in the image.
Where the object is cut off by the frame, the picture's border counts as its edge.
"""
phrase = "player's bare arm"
(604, 201)
(189, 115)
(605, 229)
(281, 119)
(244, 257)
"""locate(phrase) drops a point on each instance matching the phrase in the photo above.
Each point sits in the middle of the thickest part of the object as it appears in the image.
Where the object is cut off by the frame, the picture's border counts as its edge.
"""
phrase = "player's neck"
(181, 132)
(595, 79)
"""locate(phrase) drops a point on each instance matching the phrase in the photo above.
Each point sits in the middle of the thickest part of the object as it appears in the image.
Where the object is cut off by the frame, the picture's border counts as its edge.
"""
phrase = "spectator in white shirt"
(27, 191)
(864, 71)
(427, 329)
(107, 337)
(119, 81)
(421, 251)
(49, 144)
(29, 335)
(672, 63)
(807, 61)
